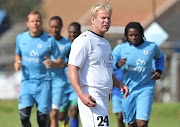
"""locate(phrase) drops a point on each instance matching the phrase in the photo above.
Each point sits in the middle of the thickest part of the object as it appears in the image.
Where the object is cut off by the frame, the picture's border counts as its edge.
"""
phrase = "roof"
(124, 11)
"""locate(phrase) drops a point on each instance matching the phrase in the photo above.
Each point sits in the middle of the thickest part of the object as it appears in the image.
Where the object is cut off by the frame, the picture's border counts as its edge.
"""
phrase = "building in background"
(166, 13)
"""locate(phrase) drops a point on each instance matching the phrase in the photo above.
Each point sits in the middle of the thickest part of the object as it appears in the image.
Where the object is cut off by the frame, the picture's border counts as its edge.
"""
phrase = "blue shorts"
(116, 104)
(138, 106)
(38, 91)
(70, 98)
(59, 83)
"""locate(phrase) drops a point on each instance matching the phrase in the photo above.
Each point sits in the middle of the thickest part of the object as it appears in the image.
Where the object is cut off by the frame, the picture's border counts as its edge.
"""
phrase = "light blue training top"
(33, 51)
(64, 47)
(137, 70)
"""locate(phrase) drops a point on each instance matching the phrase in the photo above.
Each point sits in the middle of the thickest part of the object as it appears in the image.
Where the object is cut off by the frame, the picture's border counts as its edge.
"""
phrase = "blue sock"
(74, 122)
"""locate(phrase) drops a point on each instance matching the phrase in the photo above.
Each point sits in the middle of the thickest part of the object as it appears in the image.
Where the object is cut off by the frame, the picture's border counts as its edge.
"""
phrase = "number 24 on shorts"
(103, 120)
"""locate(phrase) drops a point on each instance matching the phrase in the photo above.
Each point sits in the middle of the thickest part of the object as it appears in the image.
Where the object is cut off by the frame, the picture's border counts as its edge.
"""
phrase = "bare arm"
(119, 84)
(54, 64)
(121, 62)
(17, 63)
(74, 80)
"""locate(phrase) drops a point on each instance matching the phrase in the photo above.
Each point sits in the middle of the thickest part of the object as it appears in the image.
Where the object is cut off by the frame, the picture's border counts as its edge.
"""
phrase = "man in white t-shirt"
(90, 69)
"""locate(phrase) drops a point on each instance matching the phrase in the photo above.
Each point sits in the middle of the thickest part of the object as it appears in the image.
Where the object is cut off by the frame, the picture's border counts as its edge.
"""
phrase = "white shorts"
(95, 116)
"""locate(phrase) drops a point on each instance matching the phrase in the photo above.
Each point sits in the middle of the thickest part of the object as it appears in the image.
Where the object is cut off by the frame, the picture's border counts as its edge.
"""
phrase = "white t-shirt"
(92, 54)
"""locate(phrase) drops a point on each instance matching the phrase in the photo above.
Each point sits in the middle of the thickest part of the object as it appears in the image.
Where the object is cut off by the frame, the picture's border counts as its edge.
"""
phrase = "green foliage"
(18, 9)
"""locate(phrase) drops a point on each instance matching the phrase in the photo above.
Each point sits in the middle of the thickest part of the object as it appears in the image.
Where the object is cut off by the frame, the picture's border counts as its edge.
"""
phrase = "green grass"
(163, 115)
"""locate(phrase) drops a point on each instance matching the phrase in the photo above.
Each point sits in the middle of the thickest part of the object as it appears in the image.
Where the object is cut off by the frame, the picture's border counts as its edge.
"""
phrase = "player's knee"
(41, 119)
(142, 123)
(54, 113)
(120, 116)
(74, 111)
(62, 116)
(24, 116)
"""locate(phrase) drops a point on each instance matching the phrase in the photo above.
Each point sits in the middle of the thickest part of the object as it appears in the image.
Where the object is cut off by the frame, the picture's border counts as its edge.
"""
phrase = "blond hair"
(97, 7)
(34, 13)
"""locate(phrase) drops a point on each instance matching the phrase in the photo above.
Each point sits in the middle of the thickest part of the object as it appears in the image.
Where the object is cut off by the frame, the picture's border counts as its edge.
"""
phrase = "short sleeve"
(116, 56)
(18, 51)
(79, 51)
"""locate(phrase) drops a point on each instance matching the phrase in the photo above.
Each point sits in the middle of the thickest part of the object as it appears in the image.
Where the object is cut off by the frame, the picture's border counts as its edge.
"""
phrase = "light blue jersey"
(64, 47)
(36, 78)
(70, 97)
(33, 50)
(137, 76)
(137, 70)
(59, 80)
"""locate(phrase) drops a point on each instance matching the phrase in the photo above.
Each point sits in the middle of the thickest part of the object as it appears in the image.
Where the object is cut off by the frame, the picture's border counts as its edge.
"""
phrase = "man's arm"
(17, 63)
(74, 80)
(54, 64)
(119, 84)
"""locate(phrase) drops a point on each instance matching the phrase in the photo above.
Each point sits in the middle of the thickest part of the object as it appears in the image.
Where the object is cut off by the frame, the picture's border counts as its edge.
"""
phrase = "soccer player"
(90, 69)
(33, 51)
(70, 96)
(135, 58)
(74, 30)
(116, 93)
(59, 80)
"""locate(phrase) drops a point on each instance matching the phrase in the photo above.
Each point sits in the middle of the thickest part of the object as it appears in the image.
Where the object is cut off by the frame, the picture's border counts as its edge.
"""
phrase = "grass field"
(163, 115)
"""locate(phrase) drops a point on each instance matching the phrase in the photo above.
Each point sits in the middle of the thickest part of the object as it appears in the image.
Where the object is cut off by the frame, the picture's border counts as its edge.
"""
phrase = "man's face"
(73, 33)
(34, 23)
(133, 36)
(54, 28)
(102, 21)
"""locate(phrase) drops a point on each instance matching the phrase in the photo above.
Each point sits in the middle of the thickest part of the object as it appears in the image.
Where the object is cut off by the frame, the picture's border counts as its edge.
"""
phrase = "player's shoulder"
(81, 38)
(46, 35)
(65, 40)
(122, 45)
(86, 35)
(149, 43)
(23, 34)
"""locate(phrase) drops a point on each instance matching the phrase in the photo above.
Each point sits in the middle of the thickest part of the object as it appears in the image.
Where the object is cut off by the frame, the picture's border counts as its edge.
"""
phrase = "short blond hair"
(97, 7)
(34, 13)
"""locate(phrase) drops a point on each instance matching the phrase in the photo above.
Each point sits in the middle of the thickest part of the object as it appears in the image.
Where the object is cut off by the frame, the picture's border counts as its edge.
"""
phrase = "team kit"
(77, 74)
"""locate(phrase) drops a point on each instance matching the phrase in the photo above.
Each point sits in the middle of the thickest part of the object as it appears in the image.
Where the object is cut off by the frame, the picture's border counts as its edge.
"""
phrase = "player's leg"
(63, 111)
(48, 121)
(144, 111)
(25, 116)
(74, 116)
(129, 110)
(74, 112)
(41, 118)
(132, 124)
(26, 101)
(120, 119)
(64, 118)
(95, 116)
(58, 88)
(117, 108)
(44, 101)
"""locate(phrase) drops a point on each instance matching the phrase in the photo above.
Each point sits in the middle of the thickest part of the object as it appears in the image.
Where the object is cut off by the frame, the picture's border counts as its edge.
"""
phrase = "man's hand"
(124, 89)
(48, 63)
(156, 75)
(122, 62)
(17, 65)
(88, 100)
